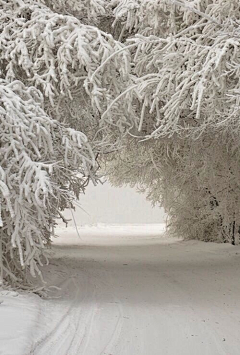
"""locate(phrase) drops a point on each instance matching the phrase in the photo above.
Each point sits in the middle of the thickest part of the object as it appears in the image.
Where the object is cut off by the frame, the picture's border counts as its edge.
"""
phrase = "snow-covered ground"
(128, 291)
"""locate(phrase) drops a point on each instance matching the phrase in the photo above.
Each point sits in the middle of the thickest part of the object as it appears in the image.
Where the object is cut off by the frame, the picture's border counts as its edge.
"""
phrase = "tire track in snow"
(71, 332)
(83, 323)
(59, 325)
(115, 338)
(61, 332)
(82, 338)
(117, 331)
(85, 320)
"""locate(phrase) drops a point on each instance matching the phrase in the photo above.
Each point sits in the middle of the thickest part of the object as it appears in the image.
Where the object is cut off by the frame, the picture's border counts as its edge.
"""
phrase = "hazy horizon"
(111, 205)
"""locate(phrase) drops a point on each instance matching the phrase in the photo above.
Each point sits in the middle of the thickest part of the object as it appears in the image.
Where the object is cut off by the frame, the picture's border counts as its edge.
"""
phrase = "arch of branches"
(145, 92)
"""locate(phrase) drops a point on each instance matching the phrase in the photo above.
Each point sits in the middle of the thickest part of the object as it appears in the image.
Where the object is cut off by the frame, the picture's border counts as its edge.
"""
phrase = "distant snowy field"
(111, 234)
(128, 290)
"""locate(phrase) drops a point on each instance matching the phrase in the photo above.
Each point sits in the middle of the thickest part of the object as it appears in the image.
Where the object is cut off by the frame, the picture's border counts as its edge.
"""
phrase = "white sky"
(107, 204)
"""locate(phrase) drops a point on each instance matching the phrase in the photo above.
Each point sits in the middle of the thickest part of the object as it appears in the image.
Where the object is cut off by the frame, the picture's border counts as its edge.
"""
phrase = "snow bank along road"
(129, 291)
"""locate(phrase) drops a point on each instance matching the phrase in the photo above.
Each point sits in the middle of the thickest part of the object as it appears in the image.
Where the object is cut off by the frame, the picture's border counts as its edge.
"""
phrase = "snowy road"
(138, 293)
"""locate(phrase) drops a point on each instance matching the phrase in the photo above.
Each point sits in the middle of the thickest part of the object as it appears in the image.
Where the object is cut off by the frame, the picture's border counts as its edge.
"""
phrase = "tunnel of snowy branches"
(142, 93)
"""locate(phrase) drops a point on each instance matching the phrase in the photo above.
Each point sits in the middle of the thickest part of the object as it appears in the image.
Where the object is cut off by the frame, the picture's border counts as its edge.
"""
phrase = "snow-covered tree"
(150, 87)
(183, 106)
(49, 130)
(39, 161)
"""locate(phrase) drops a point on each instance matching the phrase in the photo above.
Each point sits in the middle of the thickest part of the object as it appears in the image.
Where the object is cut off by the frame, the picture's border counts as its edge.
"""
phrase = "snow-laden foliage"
(186, 65)
(56, 52)
(86, 10)
(184, 99)
(45, 58)
(152, 83)
(200, 195)
(39, 159)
